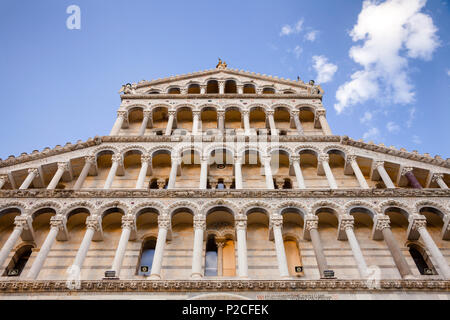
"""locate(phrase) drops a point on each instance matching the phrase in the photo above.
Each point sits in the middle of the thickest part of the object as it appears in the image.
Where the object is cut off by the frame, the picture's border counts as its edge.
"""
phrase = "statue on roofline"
(221, 64)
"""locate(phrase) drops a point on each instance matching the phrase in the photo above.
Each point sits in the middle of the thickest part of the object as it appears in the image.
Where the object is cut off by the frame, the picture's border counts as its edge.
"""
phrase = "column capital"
(175, 160)
(240, 222)
(58, 221)
(276, 221)
(319, 113)
(295, 158)
(147, 113)
(93, 222)
(220, 113)
(117, 158)
(418, 222)
(238, 160)
(351, 158)
(324, 157)
(172, 112)
(89, 159)
(196, 113)
(405, 170)
(259, 90)
(245, 112)
(434, 178)
(221, 82)
(378, 163)
(22, 222)
(128, 221)
(4, 177)
(63, 165)
(311, 222)
(220, 242)
(121, 114)
(213, 182)
(383, 223)
(295, 113)
(270, 112)
(204, 158)
(199, 222)
(164, 222)
(347, 223)
(146, 158)
(35, 171)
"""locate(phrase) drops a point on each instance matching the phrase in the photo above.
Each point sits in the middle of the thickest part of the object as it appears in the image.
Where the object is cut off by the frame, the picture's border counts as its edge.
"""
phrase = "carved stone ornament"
(164, 222)
(128, 221)
(347, 223)
(21, 222)
(311, 224)
(57, 221)
(383, 223)
(199, 223)
(92, 222)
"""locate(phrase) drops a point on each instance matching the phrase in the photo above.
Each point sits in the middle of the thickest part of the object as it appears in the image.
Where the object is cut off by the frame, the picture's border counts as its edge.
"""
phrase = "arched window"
(174, 91)
(212, 86)
(230, 86)
(421, 260)
(194, 89)
(268, 91)
(211, 258)
(18, 261)
(146, 259)
(249, 88)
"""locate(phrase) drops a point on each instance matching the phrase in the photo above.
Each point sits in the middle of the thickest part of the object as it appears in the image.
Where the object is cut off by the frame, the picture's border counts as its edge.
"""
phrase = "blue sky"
(60, 85)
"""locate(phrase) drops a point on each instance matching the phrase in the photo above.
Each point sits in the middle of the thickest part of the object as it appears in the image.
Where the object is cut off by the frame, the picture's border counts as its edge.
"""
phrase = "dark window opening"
(211, 258)
(146, 260)
(18, 262)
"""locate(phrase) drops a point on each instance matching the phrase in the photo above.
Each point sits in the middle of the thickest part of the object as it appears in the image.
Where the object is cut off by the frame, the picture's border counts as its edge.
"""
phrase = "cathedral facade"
(224, 184)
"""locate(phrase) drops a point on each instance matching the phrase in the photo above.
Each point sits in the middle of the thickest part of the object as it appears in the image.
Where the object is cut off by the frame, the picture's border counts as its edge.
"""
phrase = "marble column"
(437, 177)
(221, 120)
(320, 115)
(197, 255)
(347, 224)
(128, 224)
(238, 172)
(351, 159)
(420, 224)
(312, 224)
(203, 89)
(147, 116)
(273, 128)
(203, 173)
(163, 228)
(241, 235)
(276, 222)
(383, 224)
(268, 173)
(57, 223)
(3, 180)
(195, 121)
(88, 162)
(119, 122)
(173, 172)
(384, 175)
(221, 86)
(145, 160)
(62, 167)
(408, 173)
(298, 125)
(220, 243)
(116, 161)
(92, 225)
(246, 115)
(298, 172)
(21, 223)
(170, 123)
(324, 158)
(32, 173)
(240, 88)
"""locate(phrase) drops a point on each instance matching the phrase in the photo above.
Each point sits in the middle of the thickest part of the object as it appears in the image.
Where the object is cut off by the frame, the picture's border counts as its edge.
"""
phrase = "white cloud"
(372, 133)
(297, 51)
(287, 29)
(448, 72)
(311, 36)
(325, 70)
(416, 139)
(366, 117)
(411, 117)
(391, 126)
(392, 31)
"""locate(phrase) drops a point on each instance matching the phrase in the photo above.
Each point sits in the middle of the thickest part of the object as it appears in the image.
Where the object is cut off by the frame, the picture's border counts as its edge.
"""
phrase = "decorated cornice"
(437, 160)
(114, 286)
(225, 193)
(236, 72)
(47, 152)
(220, 96)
